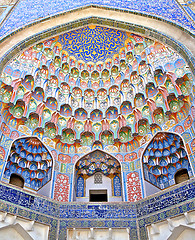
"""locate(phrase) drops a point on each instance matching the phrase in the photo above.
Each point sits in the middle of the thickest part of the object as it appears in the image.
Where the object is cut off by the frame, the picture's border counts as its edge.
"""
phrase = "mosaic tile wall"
(169, 203)
(27, 12)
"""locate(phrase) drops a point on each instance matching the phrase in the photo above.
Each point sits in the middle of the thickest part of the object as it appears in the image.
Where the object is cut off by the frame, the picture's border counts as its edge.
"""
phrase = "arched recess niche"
(165, 162)
(29, 160)
(98, 178)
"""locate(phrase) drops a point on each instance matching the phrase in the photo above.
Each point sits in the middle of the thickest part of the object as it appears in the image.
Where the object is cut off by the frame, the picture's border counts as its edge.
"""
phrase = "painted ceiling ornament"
(125, 134)
(6, 93)
(52, 85)
(80, 114)
(131, 121)
(77, 92)
(134, 78)
(97, 128)
(139, 100)
(33, 120)
(175, 104)
(39, 132)
(107, 137)
(50, 130)
(161, 101)
(95, 79)
(155, 128)
(51, 103)
(19, 93)
(146, 113)
(38, 94)
(65, 68)
(74, 73)
(126, 108)
(159, 77)
(87, 139)
(17, 110)
(66, 110)
(96, 115)
(64, 90)
(78, 127)
(114, 125)
(57, 61)
(41, 76)
(151, 90)
(28, 82)
(114, 91)
(143, 68)
(48, 53)
(68, 136)
(112, 113)
(184, 84)
(143, 127)
(108, 63)
(101, 94)
(61, 124)
(105, 75)
(125, 85)
(91, 39)
(89, 97)
(97, 145)
(159, 116)
(138, 48)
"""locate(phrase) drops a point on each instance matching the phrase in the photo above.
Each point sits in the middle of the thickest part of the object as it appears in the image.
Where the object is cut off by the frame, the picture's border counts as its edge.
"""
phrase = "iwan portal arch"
(95, 80)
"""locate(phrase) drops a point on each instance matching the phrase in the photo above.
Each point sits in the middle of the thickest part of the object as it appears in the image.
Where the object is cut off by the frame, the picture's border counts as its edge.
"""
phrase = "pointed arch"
(108, 169)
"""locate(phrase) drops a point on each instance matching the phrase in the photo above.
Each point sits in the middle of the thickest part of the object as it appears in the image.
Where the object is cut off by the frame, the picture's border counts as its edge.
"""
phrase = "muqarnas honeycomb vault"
(97, 88)
(97, 114)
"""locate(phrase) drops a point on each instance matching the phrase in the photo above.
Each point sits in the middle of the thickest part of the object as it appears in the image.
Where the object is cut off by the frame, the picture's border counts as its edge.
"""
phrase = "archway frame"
(170, 34)
(74, 173)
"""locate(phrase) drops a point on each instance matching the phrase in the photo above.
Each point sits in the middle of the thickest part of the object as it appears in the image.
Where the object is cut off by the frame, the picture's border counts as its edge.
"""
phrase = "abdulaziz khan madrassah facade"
(97, 130)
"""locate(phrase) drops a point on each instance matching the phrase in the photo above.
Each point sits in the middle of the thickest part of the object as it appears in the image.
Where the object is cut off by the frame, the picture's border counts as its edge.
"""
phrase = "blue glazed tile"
(114, 215)
(28, 11)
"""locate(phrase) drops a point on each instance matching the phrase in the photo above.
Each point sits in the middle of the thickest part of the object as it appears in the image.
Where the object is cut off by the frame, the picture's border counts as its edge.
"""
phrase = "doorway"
(98, 196)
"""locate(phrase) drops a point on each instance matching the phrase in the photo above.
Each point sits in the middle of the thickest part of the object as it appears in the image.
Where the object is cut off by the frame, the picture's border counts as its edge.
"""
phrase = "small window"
(16, 180)
(98, 196)
(181, 176)
(98, 178)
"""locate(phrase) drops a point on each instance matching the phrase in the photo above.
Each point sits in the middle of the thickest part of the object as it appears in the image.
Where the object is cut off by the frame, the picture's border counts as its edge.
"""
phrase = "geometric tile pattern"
(28, 11)
(133, 187)
(61, 190)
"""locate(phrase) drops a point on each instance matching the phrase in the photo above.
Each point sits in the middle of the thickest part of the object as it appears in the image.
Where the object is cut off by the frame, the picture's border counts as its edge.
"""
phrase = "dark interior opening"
(16, 180)
(98, 196)
(181, 176)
